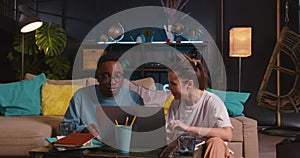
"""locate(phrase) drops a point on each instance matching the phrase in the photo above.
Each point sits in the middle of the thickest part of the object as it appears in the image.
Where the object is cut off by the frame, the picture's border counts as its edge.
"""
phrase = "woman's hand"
(178, 124)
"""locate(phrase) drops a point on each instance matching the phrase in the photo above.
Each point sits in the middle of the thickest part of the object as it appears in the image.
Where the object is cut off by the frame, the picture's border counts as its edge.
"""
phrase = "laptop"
(148, 129)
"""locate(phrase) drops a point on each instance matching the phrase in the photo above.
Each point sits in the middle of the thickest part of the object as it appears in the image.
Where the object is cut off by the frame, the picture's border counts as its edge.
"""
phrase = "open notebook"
(149, 130)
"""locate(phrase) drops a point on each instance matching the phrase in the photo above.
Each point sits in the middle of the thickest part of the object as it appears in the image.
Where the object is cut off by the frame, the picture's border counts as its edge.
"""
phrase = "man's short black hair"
(112, 53)
(106, 57)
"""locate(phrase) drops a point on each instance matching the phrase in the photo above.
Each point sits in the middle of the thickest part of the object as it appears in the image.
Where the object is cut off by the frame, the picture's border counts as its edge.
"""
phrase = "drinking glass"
(186, 144)
(66, 128)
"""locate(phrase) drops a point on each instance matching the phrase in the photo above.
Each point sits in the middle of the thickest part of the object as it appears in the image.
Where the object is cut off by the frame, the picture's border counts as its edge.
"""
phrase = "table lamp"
(240, 45)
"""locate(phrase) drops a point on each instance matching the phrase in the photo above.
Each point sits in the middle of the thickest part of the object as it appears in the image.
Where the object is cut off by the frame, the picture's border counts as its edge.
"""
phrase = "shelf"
(147, 69)
(154, 42)
(156, 45)
(159, 50)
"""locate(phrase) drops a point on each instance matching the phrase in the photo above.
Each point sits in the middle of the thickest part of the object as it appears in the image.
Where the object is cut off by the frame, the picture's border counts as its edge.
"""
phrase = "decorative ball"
(116, 32)
(104, 38)
(178, 28)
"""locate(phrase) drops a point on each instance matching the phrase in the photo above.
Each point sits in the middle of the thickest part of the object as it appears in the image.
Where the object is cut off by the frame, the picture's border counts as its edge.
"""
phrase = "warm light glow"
(240, 41)
(31, 26)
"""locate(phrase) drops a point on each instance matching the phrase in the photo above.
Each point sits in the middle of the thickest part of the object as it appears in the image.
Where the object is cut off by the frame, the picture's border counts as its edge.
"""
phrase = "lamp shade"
(240, 41)
(28, 20)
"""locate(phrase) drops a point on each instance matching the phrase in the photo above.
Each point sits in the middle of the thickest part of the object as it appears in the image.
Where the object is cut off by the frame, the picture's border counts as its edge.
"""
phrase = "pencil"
(117, 123)
(133, 120)
(126, 122)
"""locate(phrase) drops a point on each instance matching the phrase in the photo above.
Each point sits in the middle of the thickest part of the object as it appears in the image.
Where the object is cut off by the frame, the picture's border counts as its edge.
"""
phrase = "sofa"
(19, 134)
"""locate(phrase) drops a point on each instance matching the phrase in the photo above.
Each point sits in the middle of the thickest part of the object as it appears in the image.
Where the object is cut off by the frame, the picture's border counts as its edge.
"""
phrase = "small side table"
(289, 147)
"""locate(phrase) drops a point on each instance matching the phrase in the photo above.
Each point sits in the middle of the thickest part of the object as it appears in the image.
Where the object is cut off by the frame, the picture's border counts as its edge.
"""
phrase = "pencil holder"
(123, 138)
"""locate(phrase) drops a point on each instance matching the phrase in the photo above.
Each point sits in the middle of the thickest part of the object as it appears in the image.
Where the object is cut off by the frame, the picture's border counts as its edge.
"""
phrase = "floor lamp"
(28, 22)
(240, 45)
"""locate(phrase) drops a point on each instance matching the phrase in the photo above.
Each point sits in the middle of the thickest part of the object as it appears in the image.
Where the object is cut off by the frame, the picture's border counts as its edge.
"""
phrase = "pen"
(117, 123)
(126, 122)
(133, 120)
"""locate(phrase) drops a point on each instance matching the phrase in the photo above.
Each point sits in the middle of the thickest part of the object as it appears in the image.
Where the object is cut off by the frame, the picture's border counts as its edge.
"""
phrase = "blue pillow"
(234, 101)
(22, 98)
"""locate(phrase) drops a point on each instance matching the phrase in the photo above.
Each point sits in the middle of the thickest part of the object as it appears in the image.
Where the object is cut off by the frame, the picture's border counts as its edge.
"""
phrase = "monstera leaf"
(51, 38)
(59, 66)
(30, 47)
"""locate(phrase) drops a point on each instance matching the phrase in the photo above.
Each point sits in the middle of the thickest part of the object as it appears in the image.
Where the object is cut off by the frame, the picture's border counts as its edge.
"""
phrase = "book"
(74, 140)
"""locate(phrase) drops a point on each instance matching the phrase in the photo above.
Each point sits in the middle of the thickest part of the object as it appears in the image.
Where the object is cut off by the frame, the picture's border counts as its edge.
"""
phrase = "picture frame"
(90, 58)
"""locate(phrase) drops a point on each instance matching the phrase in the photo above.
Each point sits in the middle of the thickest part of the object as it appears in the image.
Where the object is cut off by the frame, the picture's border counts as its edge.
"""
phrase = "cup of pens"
(123, 136)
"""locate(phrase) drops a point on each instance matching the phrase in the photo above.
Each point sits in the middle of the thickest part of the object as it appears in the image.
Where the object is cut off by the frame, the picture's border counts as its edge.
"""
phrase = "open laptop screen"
(149, 130)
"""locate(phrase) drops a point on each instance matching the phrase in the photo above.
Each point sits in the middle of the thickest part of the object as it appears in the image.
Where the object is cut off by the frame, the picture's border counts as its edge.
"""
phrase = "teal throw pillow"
(234, 101)
(22, 98)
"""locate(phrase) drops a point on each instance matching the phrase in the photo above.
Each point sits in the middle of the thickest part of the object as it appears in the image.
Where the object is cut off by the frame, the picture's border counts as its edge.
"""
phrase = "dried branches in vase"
(171, 7)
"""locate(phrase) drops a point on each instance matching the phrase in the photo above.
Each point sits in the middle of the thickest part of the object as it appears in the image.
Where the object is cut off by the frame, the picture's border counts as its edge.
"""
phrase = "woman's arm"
(225, 133)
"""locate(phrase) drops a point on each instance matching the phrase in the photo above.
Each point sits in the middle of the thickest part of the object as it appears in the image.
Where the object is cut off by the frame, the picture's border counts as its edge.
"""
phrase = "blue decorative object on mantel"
(148, 38)
(148, 35)
(143, 38)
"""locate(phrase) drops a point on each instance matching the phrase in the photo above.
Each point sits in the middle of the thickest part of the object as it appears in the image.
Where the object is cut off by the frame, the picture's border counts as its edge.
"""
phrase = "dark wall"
(6, 76)
(80, 16)
(261, 17)
(7, 31)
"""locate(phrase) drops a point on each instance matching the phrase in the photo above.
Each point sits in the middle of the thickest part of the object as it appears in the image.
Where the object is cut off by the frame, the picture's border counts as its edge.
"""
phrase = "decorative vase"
(170, 34)
(149, 39)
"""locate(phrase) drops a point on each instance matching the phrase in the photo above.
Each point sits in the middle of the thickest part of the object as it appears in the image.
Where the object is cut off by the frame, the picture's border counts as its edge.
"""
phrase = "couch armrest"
(250, 142)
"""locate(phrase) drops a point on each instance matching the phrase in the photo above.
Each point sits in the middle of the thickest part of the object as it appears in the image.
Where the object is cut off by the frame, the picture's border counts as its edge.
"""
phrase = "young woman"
(196, 110)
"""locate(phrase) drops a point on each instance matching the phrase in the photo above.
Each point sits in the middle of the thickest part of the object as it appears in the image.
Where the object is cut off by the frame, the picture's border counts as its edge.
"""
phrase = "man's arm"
(72, 116)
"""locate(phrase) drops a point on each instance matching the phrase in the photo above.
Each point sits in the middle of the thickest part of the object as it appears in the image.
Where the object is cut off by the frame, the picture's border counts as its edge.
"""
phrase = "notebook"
(74, 140)
(148, 129)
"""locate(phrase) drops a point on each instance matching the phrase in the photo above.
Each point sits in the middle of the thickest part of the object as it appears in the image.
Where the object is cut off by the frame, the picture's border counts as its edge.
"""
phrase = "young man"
(110, 92)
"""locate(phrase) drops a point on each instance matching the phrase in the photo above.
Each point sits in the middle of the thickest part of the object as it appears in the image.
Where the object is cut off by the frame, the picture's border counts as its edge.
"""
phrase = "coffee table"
(107, 152)
(49, 152)
(110, 152)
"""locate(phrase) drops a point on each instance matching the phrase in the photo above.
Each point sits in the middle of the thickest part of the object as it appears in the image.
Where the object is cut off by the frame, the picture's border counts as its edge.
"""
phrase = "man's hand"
(94, 130)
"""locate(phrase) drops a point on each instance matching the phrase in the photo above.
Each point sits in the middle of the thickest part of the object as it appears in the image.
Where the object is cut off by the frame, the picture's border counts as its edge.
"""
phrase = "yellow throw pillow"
(167, 104)
(56, 98)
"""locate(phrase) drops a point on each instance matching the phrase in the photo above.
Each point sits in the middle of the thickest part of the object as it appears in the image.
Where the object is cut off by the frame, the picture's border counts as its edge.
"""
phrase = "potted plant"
(148, 33)
(43, 52)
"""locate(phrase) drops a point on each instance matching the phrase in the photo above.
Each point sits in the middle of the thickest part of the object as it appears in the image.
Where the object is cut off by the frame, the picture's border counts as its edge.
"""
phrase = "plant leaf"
(59, 66)
(30, 47)
(51, 38)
